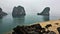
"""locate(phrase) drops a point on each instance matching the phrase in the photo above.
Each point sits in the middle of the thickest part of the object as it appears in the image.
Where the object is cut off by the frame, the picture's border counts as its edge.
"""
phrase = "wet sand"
(54, 23)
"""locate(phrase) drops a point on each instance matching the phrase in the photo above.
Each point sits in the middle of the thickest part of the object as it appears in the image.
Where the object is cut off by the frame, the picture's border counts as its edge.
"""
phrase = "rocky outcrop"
(32, 29)
(18, 11)
(2, 13)
(58, 29)
(45, 11)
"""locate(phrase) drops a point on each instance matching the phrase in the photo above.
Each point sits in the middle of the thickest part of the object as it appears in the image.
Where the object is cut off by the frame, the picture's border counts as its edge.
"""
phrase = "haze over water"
(32, 7)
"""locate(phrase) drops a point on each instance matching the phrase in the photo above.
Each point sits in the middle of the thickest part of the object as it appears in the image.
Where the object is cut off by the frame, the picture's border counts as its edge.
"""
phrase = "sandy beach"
(54, 25)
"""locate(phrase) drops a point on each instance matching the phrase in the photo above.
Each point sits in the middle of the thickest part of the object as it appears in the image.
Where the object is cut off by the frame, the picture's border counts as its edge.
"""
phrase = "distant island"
(45, 12)
(18, 11)
(2, 13)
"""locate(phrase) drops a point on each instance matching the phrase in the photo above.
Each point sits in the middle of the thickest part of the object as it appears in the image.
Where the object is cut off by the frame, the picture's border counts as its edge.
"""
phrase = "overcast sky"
(31, 6)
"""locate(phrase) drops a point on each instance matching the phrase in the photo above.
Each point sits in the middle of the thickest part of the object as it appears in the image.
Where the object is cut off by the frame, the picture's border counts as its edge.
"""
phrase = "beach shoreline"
(43, 24)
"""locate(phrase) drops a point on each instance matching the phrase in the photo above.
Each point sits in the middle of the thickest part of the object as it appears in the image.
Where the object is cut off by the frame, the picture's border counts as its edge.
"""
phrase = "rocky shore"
(49, 27)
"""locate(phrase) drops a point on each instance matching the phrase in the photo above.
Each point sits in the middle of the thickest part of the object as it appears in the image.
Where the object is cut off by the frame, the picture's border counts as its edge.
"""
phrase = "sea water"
(7, 23)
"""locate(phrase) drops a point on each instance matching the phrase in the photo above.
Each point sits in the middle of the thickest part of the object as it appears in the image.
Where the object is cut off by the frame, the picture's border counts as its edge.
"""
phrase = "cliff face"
(2, 13)
(18, 11)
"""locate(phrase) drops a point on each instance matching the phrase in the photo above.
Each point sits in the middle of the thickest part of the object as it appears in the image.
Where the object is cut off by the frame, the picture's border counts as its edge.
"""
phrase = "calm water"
(7, 23)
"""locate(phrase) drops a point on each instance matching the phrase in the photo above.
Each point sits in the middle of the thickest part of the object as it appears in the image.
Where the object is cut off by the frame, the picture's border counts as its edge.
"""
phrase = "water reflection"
(0, 21)
(1, 24)
(46, 18)
(8, 22)
(1, 17)
(19, 20)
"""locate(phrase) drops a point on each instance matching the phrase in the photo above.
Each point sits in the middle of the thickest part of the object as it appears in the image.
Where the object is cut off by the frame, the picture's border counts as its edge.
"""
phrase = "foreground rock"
(58, 29)
(33, 29)
(18, 11)
(53, 27)
(45, 12)
(2, 13)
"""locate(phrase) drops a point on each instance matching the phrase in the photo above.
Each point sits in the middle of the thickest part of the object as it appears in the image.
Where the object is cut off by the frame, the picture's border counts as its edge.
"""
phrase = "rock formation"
(45, 11)
(2, 13)
(18, 11)
(58, 29)
(32, 29)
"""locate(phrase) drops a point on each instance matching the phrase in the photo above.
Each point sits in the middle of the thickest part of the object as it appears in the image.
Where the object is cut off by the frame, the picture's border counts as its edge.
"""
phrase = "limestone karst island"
(2, 13)
(29, 17)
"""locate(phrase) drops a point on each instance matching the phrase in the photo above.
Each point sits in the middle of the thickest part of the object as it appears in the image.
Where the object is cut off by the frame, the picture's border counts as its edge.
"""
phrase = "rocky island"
(2, 13)
(45, 12)
(18, 11)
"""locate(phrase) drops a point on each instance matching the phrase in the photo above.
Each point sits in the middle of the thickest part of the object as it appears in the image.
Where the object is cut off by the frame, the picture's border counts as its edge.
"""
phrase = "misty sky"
(31, 6)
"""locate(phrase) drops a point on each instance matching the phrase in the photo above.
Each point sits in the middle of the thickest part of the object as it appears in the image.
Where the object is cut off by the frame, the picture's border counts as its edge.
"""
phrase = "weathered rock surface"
(18, 11)
(45, 11)
(2, 13)
(32, 29)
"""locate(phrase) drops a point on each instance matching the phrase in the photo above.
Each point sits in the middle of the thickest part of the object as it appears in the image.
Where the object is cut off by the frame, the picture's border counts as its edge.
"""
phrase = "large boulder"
(18, 11)
(2, 13)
